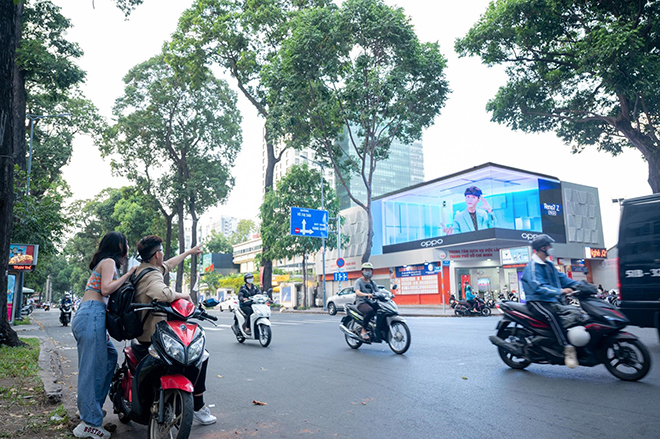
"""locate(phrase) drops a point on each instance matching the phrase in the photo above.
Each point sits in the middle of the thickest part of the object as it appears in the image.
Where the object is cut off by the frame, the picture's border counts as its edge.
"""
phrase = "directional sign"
(309, 222)
(340, 262)
(338, 277)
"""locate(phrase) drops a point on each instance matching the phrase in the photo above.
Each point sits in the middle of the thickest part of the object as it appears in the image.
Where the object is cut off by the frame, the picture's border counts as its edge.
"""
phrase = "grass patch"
(26, 321)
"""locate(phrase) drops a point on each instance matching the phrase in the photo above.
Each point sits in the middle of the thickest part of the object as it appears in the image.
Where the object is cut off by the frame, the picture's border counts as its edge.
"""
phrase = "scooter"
(488, 297)
(599, 338)
(154, 385)
(46, 306)
(260, 328)
(452, 301)
(65, 314)
(464, 309)
(394, 329)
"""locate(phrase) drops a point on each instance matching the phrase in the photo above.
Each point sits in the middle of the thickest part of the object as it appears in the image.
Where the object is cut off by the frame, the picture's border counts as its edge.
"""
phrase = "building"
(403, 168)
(245, 254)
(426, 243)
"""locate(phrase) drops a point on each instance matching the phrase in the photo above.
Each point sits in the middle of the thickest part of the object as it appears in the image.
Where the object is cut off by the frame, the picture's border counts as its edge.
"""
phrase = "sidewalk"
(404, 310)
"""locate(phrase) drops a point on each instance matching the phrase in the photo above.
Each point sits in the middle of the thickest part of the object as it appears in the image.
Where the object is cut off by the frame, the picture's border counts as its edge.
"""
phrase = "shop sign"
(23, 257)
(472, 253)
(518, 255)
(350, 264)
(418, 270)
(595, 253)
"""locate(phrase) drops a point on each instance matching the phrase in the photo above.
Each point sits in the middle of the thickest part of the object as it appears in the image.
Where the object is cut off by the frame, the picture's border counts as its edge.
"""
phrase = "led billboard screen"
(473, 205)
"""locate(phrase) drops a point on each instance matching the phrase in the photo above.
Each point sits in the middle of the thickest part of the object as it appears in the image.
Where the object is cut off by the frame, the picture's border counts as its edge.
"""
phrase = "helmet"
(473, 190)
(578, 336)
(367, 266)
(67, 295)
(541, 241)
(248, 276)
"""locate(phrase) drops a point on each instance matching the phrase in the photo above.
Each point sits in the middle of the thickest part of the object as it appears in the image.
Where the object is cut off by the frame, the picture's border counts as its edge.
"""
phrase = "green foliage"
(245, 229)
(231, 281)
(589, 71)
(300, 187)
(20, 363)
(218, 243)
(359, 68)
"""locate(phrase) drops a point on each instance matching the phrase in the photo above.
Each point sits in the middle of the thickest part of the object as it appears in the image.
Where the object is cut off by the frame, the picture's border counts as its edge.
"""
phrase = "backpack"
(121, 322)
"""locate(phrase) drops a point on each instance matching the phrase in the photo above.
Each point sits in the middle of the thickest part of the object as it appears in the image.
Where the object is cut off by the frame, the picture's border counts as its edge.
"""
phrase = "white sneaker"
(204, 416)
(85, 430)
(570, 357)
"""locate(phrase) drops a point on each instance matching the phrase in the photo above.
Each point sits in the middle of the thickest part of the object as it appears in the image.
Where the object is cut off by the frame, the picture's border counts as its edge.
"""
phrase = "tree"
(299, 188)
(245, 229)
(243, 38)
(218, 243)
(182, 126)
(589, 71)
(359, 69)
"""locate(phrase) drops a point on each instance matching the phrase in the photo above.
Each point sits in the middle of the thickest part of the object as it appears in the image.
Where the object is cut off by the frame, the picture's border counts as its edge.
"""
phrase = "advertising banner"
(490, 202)
(11, 287)
(514, 256)
(207, 263)
(23, 257)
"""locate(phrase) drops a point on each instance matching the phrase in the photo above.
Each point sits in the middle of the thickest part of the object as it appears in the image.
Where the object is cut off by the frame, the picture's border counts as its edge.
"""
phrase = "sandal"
(365, 337)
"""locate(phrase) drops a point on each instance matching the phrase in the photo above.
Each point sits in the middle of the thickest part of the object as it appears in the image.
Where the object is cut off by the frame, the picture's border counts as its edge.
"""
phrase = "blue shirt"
(542, 282)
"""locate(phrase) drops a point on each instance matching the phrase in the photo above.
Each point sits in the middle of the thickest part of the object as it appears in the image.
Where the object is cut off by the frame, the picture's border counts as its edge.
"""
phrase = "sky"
(462, 136)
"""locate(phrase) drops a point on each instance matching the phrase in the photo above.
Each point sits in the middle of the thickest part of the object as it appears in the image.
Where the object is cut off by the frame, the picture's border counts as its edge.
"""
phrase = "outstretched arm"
(179, 258)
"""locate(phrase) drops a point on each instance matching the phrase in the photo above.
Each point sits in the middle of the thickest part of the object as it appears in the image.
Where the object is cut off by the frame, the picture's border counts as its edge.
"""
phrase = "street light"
(33, 118)
(322, 208)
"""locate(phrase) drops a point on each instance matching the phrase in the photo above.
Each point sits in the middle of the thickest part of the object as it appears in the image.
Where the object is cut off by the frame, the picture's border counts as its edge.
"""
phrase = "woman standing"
(97, 356)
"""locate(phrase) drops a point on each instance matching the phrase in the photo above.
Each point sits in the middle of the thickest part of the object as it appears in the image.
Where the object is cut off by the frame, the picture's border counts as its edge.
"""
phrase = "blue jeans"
(97, 360)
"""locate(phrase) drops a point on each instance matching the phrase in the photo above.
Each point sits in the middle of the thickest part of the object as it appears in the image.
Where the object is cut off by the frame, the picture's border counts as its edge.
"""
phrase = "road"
(451, 384)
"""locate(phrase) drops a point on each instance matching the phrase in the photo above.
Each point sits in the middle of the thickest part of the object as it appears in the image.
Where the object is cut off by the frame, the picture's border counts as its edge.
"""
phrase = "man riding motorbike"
(153, 287)
(469, 297)
(364, 288)
(543, 285)
(244, 294)
(66, 300)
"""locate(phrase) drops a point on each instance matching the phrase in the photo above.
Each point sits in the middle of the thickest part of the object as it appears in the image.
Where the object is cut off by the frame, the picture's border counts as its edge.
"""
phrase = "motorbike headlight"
(195, 350)
(173, 348)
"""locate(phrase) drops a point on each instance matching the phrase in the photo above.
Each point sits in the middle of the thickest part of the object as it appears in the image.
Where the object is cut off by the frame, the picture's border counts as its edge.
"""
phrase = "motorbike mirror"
(210, 302)
(395, 287)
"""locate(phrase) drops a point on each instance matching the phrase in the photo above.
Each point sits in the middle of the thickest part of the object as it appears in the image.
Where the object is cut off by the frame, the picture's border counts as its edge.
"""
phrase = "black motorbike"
(393, 328)
(464, 309)
(488, 298)
(46, 306)
(65, 314)
(154, 386)
(452, 301)
(522, 339)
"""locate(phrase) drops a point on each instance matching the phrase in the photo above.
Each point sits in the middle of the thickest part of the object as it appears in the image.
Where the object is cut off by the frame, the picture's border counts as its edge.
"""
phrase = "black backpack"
(121, 322)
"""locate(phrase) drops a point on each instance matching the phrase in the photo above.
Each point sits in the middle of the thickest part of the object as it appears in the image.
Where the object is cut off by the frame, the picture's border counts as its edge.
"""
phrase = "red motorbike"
(154, 385)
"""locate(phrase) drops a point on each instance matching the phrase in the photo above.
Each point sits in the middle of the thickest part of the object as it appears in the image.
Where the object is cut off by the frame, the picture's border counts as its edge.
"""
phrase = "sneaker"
(570, 357)
(85, 430)
(204, 416)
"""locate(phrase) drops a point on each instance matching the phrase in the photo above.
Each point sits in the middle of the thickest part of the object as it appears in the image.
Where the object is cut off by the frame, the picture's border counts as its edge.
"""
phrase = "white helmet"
(578, 336)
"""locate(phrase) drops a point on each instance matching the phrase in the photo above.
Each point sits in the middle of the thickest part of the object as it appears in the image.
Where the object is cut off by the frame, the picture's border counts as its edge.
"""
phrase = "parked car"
(336, 303)
(639, 261)
(229, 304)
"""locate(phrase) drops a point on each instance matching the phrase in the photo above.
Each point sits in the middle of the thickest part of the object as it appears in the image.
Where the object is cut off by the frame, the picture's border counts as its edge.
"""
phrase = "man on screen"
(472, 219)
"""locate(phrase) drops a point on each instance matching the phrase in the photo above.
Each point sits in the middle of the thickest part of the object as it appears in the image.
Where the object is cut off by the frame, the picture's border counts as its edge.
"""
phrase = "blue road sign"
(309, 222)
(340, 276)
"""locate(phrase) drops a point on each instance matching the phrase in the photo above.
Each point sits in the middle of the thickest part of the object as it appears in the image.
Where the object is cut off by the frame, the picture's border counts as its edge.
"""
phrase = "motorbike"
(488, 298)
(464, 309)
(260, 327)
(599, 338)
(46, 306)
(452, 301)
(27, 310)
(612, 299)
(393, 330)
(154, 385)
(65, 314)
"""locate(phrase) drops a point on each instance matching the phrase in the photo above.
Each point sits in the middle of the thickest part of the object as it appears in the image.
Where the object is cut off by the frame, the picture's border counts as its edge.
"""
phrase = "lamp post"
(322, 208)
(33, 118)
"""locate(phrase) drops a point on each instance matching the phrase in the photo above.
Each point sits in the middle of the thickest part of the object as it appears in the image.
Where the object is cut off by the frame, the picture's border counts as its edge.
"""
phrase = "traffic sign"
(340, 262)
(309, 222)
(340, 276)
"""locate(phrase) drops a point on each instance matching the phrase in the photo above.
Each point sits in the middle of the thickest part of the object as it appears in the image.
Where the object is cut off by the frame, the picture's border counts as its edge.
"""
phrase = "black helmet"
(541, 241)
(248, 276)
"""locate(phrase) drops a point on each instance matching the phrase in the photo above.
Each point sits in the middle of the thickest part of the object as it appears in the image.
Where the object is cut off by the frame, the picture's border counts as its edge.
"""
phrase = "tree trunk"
(193, 260)
(10, 17)
(182, 246)
(19, 101)
(370, 231)
(168, 242)
(271, 161)
(653, 158)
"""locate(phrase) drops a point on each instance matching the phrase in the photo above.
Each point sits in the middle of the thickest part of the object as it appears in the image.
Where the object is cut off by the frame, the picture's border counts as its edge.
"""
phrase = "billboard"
(489, 202)
(23, 257)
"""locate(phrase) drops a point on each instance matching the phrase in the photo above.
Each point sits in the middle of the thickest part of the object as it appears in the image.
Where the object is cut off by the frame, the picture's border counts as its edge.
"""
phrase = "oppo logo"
(431, 243)
(529, 236)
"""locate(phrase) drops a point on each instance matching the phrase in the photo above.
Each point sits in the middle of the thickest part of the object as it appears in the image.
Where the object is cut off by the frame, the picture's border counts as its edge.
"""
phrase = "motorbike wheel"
(353, 343)
(400, 338)
(332, 309)
(628, 360)
(178, 417)
(485, 311)
(458, 312)
(265, 335)
(509, 359)
(240, 338)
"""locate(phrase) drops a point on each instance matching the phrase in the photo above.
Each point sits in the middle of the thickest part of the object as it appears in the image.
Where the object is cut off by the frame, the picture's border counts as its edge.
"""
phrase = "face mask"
(249, 281)
(550, 251)
(367, 274)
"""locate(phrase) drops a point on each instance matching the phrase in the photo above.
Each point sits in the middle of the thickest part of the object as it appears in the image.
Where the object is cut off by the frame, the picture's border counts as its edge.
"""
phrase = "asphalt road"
(450, 384)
